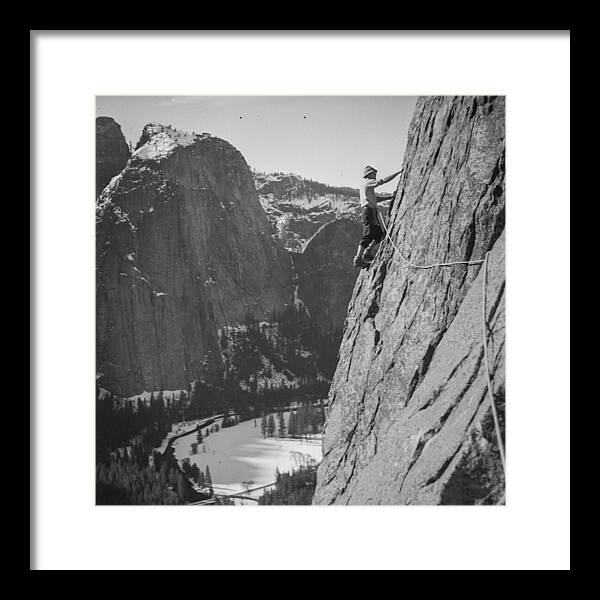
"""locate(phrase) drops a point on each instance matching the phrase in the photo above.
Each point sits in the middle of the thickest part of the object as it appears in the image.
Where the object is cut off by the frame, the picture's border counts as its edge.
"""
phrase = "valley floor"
(240, 458)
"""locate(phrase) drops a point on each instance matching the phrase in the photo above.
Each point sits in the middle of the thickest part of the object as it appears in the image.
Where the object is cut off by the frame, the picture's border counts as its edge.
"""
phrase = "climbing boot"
(359, 262)
(358, 259)
(370, 252)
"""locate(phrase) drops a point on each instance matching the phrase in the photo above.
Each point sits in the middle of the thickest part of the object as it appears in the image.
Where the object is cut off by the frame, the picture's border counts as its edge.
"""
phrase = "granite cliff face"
(112, 152)
(325, 280)
(409, 419)
(184, 250)
(325, 274)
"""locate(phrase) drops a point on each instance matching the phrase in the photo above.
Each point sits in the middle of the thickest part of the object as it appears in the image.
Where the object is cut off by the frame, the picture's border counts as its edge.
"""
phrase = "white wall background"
(532, 532)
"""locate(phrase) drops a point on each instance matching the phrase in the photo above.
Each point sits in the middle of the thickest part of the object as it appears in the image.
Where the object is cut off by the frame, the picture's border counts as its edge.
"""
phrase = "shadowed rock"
(112, 152)
(326, 279)
(325, 272)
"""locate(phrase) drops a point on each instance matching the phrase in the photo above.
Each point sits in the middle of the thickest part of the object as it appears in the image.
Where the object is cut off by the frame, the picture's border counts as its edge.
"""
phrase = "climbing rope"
(483, 262)
(487, 364)
(448, 264)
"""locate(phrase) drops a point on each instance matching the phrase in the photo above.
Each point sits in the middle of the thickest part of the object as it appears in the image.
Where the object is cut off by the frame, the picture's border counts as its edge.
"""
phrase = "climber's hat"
(368, 170)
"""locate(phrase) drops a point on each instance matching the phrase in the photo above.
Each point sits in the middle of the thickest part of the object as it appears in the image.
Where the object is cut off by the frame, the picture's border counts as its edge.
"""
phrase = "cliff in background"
(325, 280)
(299, 207)
(409, 419)
(325, 273)
(112, 152)
(184, 250)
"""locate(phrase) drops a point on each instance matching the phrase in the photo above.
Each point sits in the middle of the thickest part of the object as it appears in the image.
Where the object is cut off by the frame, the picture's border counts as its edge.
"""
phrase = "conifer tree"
(180, 486)
(292, 424)
(208, 479)
(163, 474)
(281, 423)
(172, 476)
(271, 426)
(263, 425)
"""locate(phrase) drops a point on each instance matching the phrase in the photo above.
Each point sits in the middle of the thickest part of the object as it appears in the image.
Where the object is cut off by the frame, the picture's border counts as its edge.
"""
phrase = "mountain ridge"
(183, 248)
(297, 207)
(192, 283)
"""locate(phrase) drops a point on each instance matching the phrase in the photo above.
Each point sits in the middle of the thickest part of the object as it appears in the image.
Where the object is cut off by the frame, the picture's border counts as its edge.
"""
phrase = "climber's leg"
(376, 235)
(361, 259)
(366, 239)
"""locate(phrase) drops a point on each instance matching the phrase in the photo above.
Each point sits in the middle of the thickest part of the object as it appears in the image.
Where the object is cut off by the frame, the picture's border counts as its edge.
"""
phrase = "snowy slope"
(298, 207)
(240, 454)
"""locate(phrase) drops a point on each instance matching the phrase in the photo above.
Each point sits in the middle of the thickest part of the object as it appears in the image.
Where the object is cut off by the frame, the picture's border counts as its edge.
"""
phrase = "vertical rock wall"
(409, 420)
(183, 249)
(112, 152)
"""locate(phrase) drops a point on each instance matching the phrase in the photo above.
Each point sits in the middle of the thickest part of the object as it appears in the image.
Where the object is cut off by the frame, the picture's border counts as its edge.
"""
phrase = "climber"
(372, 231)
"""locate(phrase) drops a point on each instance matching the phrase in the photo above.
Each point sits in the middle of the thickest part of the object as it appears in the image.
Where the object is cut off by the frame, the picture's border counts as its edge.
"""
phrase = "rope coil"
(484, 262)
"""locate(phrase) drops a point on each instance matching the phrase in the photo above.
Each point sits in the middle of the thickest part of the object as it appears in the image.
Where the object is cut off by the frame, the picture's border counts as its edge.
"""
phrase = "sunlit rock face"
(409, 419)
(299, 207)
(184, 248)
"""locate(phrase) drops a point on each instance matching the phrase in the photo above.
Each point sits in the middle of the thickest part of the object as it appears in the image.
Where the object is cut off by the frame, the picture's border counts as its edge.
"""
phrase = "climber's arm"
(385, 197)
(388, 178)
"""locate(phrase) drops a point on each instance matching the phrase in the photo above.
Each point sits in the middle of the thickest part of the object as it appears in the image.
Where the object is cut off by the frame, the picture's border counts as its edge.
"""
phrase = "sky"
(326, 138)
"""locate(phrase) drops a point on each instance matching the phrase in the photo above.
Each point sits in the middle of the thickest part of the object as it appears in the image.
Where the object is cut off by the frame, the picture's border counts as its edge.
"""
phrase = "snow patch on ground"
(239, 454)
(167, 395)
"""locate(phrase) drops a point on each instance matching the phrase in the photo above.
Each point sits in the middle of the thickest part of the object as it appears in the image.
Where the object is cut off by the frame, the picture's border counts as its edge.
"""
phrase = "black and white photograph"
(300, 300)
(287, 316)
